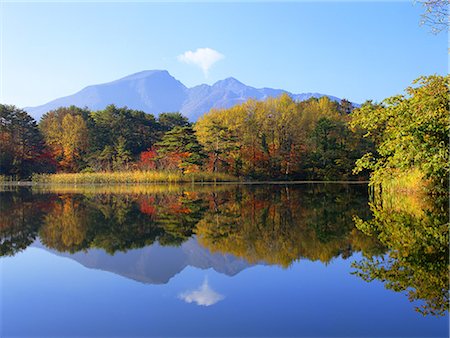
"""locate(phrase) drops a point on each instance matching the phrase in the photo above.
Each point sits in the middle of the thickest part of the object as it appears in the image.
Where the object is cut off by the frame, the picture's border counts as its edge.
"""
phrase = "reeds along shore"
(402, 182)
(132, 177)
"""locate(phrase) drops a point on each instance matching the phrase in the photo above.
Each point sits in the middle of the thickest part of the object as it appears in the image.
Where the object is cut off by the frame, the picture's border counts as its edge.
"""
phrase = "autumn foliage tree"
(147, 159)
(280, 138)
(66, 133)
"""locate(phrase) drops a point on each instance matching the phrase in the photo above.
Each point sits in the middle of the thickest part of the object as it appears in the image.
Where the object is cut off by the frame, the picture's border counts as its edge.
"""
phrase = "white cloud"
(201, 57)
(204, 295)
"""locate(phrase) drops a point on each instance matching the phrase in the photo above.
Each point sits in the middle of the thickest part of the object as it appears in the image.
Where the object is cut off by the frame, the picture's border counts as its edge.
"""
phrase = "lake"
(269, 260)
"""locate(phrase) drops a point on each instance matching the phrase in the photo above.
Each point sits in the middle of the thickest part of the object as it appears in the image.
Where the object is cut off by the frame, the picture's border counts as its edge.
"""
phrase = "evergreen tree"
(139, 129)
(168, 121)
(122, 155)
(22, 147)
(181, 145)
(105, 158)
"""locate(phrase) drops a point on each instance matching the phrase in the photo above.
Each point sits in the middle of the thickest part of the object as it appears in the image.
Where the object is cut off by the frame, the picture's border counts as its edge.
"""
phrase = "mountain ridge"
(157, 91)
(155, 264)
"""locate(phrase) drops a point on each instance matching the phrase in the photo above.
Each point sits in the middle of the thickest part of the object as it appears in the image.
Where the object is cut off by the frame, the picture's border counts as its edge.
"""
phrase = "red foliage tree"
(147, 159)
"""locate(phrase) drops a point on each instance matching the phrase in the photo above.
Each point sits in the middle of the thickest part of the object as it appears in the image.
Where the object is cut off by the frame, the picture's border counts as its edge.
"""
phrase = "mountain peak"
(229, 81)
(146, 74)
(156, 91)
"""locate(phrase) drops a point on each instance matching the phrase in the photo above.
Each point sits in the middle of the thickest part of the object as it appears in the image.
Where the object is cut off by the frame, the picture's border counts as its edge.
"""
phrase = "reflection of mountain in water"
(151, 235)
(156, 264)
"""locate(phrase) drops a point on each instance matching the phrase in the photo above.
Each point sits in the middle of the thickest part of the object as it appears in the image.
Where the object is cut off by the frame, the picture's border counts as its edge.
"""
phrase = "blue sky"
(356, 50)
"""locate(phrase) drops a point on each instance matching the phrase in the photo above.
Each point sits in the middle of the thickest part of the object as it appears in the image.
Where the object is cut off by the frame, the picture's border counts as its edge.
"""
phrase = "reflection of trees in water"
(178, 216)
(113, 222)
(21, 217)
(276, 224)
(282, 224)
(65, 226)
(119, 222)
(416, 234)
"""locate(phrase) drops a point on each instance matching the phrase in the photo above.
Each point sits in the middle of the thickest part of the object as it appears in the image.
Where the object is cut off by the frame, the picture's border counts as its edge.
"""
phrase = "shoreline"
(31, 183)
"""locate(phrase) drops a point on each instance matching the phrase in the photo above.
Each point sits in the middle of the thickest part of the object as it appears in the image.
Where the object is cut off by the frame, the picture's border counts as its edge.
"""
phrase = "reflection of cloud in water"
(204, 295)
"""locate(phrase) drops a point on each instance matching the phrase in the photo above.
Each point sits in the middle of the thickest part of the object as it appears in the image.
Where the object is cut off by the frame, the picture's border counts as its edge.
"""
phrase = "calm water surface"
(224, 261)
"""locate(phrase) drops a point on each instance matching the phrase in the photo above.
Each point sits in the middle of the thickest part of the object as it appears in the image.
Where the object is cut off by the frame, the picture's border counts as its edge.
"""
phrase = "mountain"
(156, 91)
(155, 264)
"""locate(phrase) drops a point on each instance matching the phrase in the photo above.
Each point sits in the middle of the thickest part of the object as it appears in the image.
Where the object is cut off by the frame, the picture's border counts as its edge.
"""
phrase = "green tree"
(22, 147)
(181, 148)
(410, 133)
(168, 121)
(101, 160)
(121, 156)
(139, 129)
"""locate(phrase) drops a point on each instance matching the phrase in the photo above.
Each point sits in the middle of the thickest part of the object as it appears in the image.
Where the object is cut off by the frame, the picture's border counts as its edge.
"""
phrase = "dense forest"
(277, 139)
(272, 139)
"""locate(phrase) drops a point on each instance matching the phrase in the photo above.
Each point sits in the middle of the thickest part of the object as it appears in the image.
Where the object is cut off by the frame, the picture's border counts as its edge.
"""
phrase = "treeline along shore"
(403, 139)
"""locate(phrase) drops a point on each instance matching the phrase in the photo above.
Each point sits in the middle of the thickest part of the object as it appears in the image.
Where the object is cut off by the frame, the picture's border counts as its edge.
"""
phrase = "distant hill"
(156, 91)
